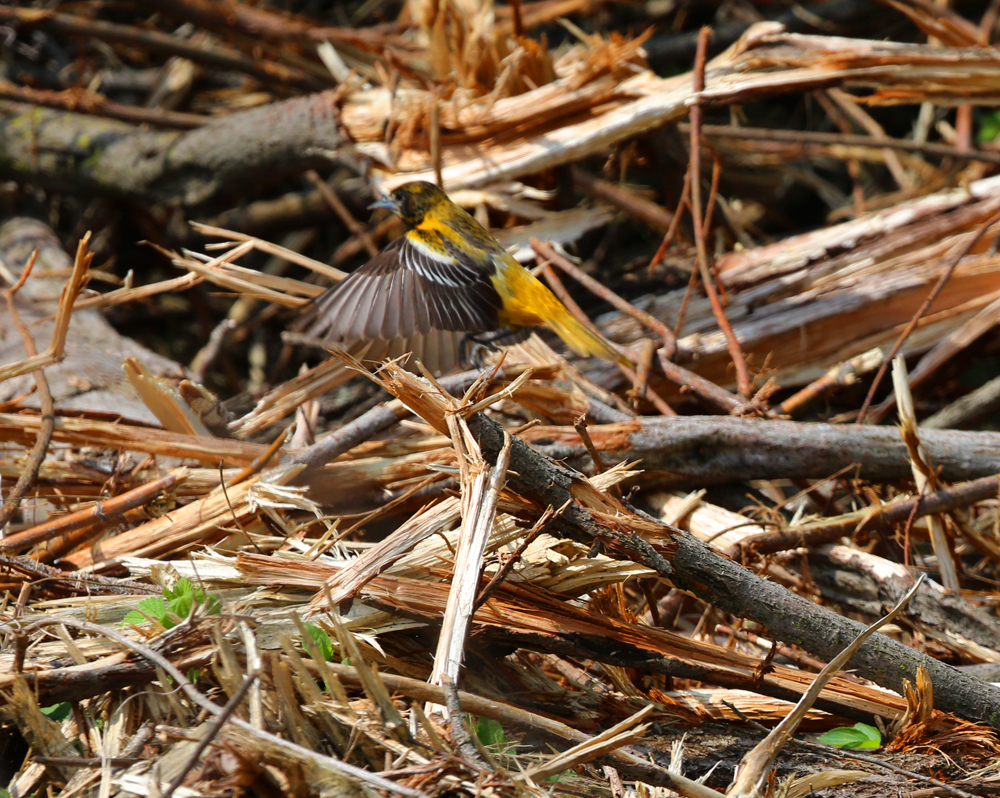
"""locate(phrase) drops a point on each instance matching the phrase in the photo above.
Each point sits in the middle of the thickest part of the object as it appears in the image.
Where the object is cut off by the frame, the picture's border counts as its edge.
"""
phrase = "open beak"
(383, 202)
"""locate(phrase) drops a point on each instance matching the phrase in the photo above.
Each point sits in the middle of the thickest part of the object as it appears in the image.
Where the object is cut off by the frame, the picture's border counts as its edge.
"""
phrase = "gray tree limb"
(712, 450)
(81, 153)
(693, 566)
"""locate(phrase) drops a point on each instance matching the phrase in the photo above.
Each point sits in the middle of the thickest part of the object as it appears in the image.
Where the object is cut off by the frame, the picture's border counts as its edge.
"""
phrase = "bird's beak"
(383, 202)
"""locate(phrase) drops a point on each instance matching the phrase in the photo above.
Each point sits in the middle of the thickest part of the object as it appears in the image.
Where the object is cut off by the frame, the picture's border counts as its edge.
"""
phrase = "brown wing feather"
(403, 292)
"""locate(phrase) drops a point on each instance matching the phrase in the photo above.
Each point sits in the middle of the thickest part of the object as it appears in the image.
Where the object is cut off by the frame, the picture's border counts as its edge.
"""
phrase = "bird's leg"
(505, 336)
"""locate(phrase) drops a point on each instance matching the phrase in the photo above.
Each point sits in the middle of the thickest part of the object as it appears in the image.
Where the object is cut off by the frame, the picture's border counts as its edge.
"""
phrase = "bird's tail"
(582, 340)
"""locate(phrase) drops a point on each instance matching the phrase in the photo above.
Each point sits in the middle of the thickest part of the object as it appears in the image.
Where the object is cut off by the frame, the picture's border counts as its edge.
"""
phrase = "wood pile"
(232, 564)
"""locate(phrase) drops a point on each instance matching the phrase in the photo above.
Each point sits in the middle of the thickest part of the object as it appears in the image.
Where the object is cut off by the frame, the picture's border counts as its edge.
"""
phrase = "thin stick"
(886, 516)
(342, 211)
(643, 366)
(674, 223)
(707, 390)
(99, 513)
(212, 732)
(539, 526)
(827, 140)
(435, 138)
(743, 381)
(48, 426)
(924, 475)
(54, 353)
(580, 425)
(924, 306)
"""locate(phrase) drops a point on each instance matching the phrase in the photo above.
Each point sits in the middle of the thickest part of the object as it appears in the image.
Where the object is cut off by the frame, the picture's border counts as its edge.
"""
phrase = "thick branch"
(77, 152)
(711, 450)
(692, 566)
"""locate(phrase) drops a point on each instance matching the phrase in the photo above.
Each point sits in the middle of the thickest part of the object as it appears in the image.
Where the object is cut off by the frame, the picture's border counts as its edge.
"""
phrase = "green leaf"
(989, 127)
(154, 607)
(192, 675)
(490, 732)
(58, 712)
(321, 640)
(181, 605)
(873, 738)
(860, 735)
(182, 588)
(559, 778)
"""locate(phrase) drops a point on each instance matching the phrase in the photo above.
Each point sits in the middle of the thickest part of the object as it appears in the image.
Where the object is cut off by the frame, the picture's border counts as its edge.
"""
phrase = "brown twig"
(643, 366)
(827, 140)
(260, 461)
(84, 584)
(48, 426)
(885, 517)
(54, 353)
(743, 381)
(698, 385)
(342, 212)
(685, 301)
(99, 513)
(674, 224)
(560, 291)
(846, 373)
(651, 214)
(580, 425)
(87, 102)
(924, 306)
(518, 21)
(437, 155)
(537, 528)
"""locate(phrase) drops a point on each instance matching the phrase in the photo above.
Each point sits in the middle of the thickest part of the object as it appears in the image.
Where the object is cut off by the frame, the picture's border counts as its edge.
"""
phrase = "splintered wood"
(315, 576)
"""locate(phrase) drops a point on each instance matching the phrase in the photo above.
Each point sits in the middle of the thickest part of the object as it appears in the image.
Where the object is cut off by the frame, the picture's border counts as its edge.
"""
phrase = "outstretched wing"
(408, 290)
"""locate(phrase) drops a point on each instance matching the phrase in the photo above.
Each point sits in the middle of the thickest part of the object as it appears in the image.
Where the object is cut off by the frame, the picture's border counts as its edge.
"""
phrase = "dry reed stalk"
(923, 473)
(481, 485)
(128, 437)
(207, 519)
(54, 352)
(530, 618)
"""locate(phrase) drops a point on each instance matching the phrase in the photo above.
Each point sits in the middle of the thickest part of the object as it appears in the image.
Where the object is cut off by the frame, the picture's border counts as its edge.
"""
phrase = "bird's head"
(412, 201)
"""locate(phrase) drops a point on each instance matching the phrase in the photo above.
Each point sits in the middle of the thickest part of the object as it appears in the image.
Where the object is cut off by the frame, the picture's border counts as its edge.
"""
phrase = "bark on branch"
(711, 450)
(692, 566)
(81, 153)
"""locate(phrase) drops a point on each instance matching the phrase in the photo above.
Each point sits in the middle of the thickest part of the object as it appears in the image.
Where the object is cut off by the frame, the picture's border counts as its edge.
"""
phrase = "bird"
(444, 283)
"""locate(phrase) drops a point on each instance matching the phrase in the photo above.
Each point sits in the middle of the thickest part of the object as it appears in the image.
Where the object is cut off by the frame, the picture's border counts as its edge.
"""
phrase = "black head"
(412, 201)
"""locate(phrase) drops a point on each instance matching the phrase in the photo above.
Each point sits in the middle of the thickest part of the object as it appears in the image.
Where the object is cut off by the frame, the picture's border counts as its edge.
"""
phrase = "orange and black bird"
(444, 282)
